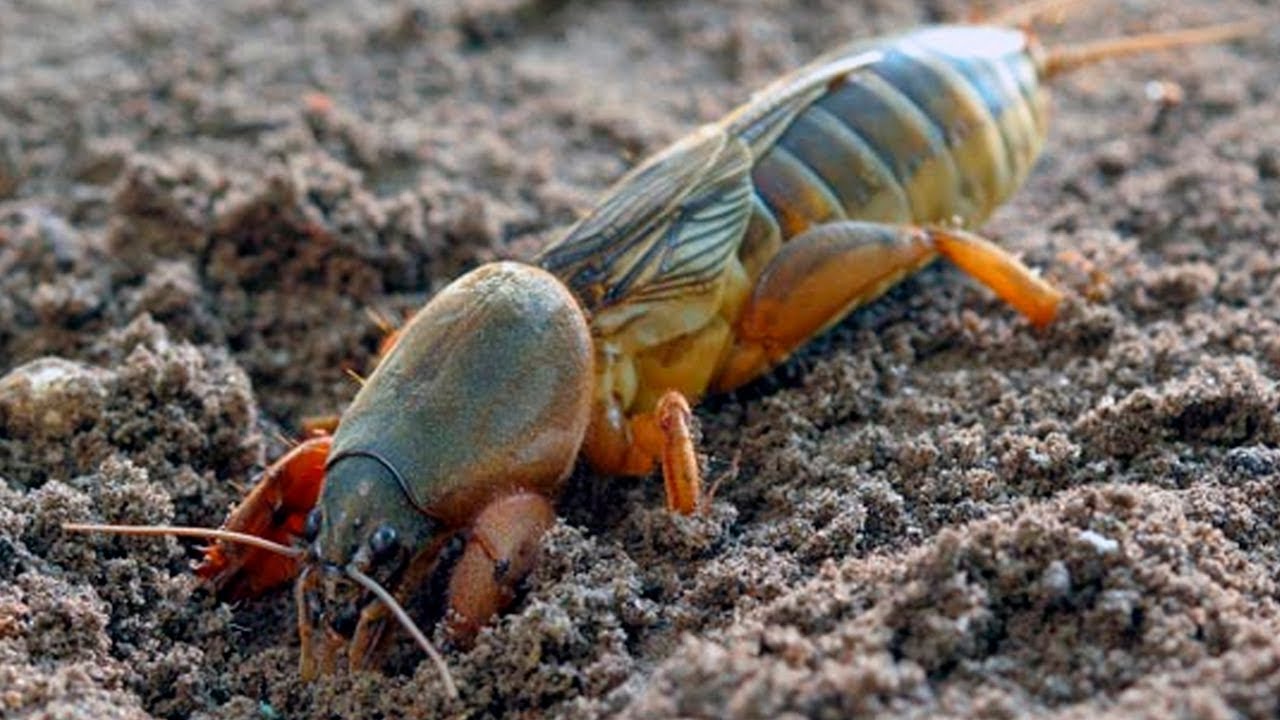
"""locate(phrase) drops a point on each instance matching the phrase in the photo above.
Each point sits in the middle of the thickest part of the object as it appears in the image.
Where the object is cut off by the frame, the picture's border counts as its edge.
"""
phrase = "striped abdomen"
(937, 125)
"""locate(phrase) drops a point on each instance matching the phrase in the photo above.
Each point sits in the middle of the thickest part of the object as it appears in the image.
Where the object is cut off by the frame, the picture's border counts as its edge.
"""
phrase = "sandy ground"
(939, 511)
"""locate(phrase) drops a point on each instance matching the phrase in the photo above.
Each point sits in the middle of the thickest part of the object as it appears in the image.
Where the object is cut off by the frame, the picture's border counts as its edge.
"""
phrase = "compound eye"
(383, 542)
(311, 529)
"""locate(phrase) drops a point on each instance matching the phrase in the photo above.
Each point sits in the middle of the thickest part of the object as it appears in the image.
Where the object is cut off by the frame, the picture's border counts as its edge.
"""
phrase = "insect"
(703, 268)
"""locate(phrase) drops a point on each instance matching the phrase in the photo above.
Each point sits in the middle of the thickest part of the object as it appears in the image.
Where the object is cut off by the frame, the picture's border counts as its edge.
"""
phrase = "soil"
(937, 510)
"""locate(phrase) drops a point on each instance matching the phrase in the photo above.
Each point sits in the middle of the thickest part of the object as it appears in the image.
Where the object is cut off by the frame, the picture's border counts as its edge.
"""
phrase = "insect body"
(701, 269)
(716, 259)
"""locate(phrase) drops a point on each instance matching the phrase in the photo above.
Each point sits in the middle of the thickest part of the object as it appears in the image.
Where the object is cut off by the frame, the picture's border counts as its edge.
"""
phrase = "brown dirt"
(939, 511)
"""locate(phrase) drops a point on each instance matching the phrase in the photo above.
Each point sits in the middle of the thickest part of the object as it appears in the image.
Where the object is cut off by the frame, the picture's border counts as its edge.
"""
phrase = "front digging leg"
(501, 550)
(276, 509)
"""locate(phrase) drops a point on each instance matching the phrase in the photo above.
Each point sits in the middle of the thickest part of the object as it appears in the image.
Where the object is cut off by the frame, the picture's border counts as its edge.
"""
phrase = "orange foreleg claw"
(275, 509)
(499, 554)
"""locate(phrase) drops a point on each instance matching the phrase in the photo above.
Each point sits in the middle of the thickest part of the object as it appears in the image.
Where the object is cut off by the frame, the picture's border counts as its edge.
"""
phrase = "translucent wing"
(666, 228)
(670, 225)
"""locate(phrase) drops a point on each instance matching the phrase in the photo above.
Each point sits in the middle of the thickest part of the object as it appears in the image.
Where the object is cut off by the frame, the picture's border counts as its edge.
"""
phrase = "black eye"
(312, 527)
(383, 541)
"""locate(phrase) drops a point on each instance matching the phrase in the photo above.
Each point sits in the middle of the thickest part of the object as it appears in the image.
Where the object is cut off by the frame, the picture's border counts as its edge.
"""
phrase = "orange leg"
(680, 471)
(1004, 274)
(632, 446)
(822, 275)
(275, 509)
(500, 552)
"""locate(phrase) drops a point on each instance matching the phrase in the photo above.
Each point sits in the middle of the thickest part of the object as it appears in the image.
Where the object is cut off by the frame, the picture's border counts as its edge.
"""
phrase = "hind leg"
(822, 275)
